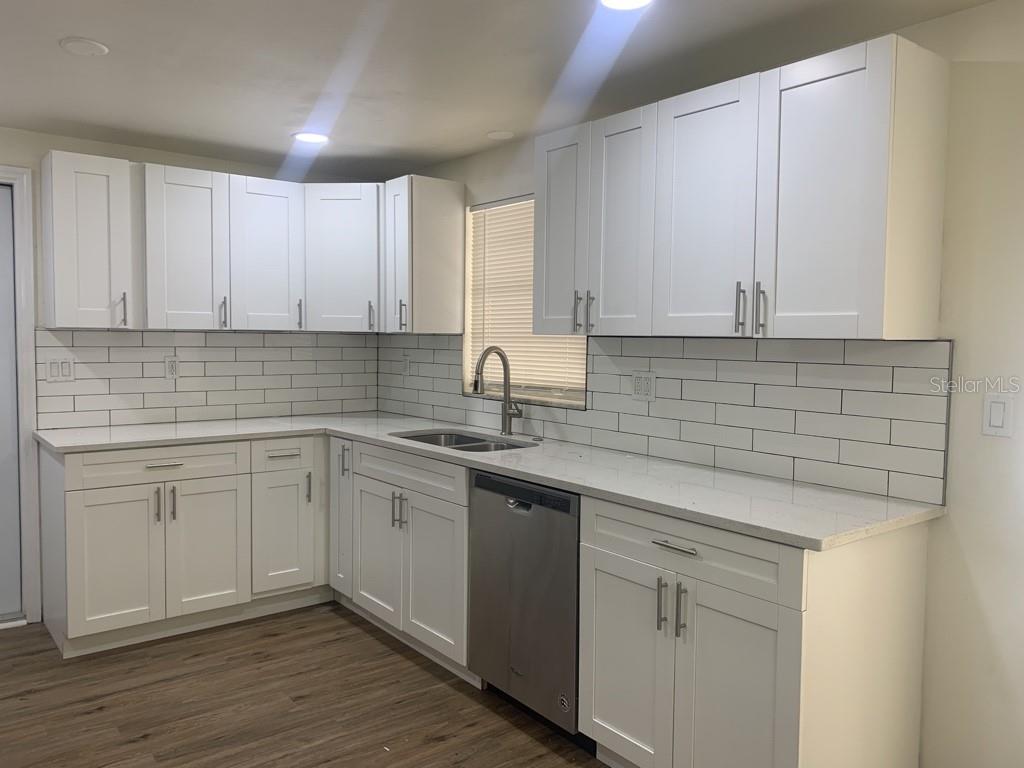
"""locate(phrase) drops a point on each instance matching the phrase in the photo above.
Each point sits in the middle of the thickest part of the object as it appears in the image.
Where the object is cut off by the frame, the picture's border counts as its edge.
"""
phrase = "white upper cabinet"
(561, 222)
(342, 256)
(704, 226)
(621, 244)
(423, 269)
(188, 269)
(91, 275)
(850, 179)
(268, 277)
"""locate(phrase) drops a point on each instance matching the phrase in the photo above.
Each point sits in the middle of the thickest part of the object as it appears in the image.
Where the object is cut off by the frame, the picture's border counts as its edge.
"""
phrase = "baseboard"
(611, 759)
(180, 625)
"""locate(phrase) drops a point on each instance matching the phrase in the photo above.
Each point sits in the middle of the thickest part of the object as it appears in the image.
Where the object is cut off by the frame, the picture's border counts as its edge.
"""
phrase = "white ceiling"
(398, 84)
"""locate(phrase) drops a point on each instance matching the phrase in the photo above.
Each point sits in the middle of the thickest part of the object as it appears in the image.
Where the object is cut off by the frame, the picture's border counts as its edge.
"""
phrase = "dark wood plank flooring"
(316, 687)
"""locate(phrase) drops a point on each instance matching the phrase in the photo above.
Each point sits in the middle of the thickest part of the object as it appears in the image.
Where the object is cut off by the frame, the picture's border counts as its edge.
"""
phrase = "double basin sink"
(469, 442)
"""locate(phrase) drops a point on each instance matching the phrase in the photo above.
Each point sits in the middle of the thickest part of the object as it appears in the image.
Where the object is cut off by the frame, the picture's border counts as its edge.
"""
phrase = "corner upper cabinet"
(851, 165)
(423, 269)
(561, 171)
(91, 277)
(342, 256)
(268, 273)
(623, 152)
(706, 202)
(188, 269)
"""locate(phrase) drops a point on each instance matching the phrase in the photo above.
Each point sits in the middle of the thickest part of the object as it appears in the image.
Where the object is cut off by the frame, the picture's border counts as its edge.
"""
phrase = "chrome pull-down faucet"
(508, 408)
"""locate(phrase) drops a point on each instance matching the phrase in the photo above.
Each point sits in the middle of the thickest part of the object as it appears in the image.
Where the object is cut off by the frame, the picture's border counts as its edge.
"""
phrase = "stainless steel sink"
(473, 442)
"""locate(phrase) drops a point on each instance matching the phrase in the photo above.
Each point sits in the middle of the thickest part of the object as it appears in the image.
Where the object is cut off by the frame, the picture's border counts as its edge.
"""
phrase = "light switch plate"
(997, 419)
(642, 388)
(60, 370)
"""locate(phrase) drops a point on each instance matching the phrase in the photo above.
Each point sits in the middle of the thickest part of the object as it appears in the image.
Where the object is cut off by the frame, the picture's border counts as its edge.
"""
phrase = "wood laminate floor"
(316, 687)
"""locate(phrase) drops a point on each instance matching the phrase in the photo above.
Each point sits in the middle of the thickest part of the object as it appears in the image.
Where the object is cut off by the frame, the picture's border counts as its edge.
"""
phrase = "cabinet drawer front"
(434, 478)
(752, 566)
(105, 469)
(282, 453)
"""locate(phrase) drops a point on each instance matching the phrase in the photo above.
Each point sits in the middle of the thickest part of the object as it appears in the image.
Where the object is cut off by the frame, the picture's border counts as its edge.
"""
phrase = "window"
(549, 370)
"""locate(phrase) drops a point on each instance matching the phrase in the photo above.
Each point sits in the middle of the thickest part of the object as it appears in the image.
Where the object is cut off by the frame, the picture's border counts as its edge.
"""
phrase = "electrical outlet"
(643, 386)
(170, 367)
(406, 363)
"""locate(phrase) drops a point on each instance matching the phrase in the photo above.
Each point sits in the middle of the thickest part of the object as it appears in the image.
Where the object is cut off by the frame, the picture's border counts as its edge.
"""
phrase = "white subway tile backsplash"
(652, 347)
(720, 349)
(719, 392)
(677, 450)
(107, 402)
(757, 463)
(780, 374)
(107, 338)
(141, 416)
(798, 398)
(684, 368)
(204, 413)
(234, 369)
(715, 434)
(64, 420)
(240, 339)
(204, 383)
(140, 354)
(646, 425)
(916, 461)
(801, 446)
(916, 487)
(757, 418)
(619, 403)
(918, 354)
(920, 381)
(841, 476)
(800, 350)
(893, 406)
(849, 427)
(684, 410)
(205, 354)
(261, 410)
(874, 378)
(619, 441)
(919, 434)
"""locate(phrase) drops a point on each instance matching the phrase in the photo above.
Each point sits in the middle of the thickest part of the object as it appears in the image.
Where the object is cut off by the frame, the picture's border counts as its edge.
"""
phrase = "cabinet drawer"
(282, 453)
(752, 566)
(417, 473)
(105, 469)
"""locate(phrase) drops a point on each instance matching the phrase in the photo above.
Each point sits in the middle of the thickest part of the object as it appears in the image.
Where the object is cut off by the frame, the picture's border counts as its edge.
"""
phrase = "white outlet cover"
(170, 367)
(405, 363)
(642, 386)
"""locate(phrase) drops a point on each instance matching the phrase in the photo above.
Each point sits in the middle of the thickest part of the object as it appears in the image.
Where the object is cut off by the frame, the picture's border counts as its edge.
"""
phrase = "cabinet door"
(342, 256)
(621, 242)
(377, 550)
(341, 516)
(627, 650)
(737, 681)
(188, 270)
(397, 262)
(208, 544)
(561, 173)
(704, 220)
(823, 162)
(267, 255)
(115, 558)
(283, 541)
(434, 573)
(87, 241)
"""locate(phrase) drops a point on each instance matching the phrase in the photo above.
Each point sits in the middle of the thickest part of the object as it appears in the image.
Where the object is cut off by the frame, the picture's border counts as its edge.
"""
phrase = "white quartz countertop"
(796, 514)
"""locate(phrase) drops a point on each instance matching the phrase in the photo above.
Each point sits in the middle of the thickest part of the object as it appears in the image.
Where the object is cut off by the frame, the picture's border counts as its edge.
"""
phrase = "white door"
(283, 540)
(115, 558)
(621, 244)
(737, 681)
(397, 262)
(627, 650)
(377, 550)
(268, 279)
(342, 256)
(704, 220)
(10, 485)
(87, 212)
(823, 162)
(188, 270)
(341, 516)
(561, 171)
(208, 544)
(434, 596)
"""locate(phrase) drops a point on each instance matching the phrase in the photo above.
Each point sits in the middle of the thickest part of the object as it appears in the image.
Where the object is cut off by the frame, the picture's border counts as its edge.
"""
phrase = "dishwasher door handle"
(522, 506)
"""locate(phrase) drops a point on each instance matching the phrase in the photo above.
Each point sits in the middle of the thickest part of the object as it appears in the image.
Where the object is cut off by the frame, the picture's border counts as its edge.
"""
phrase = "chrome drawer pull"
(165, 465)
(158, 489)
(681, 592)
(689, 551)
(662, 586)
(283, 454)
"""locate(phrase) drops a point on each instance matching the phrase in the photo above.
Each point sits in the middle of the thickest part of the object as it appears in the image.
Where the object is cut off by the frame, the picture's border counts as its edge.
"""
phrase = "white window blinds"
(551, 370)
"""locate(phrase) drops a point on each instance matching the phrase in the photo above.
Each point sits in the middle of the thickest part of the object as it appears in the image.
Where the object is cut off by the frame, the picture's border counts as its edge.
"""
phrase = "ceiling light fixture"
(500, 135)
(83, 46)
(307, 137)
(625, 5)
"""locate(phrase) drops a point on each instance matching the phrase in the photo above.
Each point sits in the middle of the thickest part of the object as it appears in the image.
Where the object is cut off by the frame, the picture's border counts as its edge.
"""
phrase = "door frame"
(20, 180)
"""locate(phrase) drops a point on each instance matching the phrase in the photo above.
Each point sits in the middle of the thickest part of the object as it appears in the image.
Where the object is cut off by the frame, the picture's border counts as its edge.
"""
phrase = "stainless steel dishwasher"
(523, 593)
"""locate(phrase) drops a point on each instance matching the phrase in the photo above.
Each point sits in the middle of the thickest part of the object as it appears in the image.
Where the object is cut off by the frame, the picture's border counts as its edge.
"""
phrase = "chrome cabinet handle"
(224, 312)
(675, 547)
(174, 502)
(165, 464)
(369, 314)
(401, 315)
(300, 313)
(394, 499)
(576, 299)
(124, 308)
(740, 309)
(344, 467)
(759, 324)
(402, 519)
(159, 494)
(681, 592)
(662, 586)
(283, 454)
(309, 487)
(590, 301)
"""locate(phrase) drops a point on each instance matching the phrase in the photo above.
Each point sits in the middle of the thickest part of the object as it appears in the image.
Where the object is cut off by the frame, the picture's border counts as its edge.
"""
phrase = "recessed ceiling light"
(625, 5)
(500, 135)
(83, 46)
(307, 137)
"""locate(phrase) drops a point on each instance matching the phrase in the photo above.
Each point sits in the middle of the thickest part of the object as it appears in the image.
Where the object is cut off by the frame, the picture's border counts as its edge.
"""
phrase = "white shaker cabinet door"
(397, 261)
(561, 222)
(621, 243)
(91, 279)
(188, 269)
(115, 558)
(342, 499)
(704, 230)
(208, 544)
(283, 530)
(377, 550)
(268, 278)
(627, 657)
(823, 161)
(342, 256)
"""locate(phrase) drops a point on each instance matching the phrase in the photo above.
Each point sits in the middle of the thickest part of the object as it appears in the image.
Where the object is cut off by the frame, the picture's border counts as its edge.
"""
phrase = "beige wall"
(499, 173)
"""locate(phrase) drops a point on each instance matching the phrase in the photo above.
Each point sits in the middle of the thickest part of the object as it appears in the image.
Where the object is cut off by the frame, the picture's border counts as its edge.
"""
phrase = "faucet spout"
(508, 408)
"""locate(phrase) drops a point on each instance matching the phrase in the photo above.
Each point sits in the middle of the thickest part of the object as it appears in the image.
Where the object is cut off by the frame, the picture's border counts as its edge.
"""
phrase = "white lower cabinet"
(341, 490)
(283, 530)
(377, 550)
